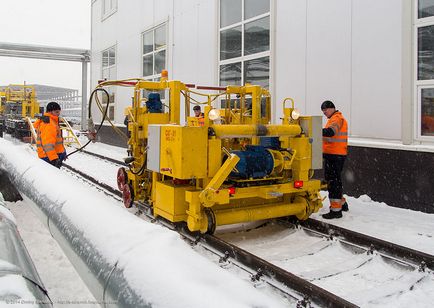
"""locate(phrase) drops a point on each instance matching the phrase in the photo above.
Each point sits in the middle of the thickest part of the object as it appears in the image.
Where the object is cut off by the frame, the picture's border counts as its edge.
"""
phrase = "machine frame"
(187, 171)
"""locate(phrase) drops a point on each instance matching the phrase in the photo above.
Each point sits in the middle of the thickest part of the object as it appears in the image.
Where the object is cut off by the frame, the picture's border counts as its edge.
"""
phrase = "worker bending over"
(335, 149)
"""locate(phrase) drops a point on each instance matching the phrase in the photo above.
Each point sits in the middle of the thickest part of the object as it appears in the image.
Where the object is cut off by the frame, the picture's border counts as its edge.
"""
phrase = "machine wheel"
(121, 178)
(128, 195)
(211, 221)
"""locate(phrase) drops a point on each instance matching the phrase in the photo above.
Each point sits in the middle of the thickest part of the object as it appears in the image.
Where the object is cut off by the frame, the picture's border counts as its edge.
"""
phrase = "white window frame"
(109, 66)
(105, 13)
(243, 58)
(110, 90)
(157, 75)
(419, 85)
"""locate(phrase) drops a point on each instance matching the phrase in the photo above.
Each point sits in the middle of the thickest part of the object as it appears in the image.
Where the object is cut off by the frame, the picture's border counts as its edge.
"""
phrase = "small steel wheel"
(121, 178)
(128, 195)
(211, 221)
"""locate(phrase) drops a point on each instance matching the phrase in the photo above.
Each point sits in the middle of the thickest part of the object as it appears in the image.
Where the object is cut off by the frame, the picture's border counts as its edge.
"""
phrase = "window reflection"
(160, 37)
(112, 57)
(257, 71)
(147, 65)
(257, 36)
(427, 114)
(160, 61)
(254, 8)
(425, 53)
(425, 8)
(148, 42)
(105, 59)
(230, 74)
(230, 12)
(230, 43)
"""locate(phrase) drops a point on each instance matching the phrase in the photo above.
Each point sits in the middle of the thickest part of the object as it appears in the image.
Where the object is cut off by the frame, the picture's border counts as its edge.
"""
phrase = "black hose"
(90, 115)
(142, 168)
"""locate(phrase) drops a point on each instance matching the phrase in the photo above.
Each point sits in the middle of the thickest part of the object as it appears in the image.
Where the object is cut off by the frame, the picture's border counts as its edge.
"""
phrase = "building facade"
(373, 59)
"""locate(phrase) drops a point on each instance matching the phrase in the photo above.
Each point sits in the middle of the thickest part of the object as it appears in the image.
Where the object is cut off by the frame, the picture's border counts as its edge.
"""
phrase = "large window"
(425, 68)
(109, 7)
(244, 42)
(154, 52)
(109, 73)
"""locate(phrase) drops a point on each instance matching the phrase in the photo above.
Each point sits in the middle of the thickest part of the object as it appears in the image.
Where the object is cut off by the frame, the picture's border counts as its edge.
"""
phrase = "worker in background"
(199, 114)
(335, 144)
(49, 141)
(427, 125)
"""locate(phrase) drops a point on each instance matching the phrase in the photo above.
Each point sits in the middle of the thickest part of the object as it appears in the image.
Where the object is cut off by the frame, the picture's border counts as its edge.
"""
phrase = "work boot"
(344, 204)
(345, 207)
(332, 215)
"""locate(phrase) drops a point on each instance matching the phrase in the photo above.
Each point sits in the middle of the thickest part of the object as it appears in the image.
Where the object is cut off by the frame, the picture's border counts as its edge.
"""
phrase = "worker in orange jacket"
(199, 114)
(335, 144)
(49, 141)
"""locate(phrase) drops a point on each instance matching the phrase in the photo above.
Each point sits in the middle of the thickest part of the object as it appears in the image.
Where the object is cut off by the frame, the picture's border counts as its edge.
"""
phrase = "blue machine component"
(255, 162)
(154, 103)
(270, 142)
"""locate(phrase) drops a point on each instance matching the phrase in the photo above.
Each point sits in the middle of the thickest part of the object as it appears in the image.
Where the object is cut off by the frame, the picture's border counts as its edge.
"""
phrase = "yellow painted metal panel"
(252, 213)
(303, 159)
(214, 156)
(183, 152)
(170, 201)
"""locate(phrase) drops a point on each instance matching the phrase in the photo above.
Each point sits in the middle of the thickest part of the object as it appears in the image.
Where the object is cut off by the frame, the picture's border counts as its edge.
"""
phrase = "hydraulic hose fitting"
(91, 133)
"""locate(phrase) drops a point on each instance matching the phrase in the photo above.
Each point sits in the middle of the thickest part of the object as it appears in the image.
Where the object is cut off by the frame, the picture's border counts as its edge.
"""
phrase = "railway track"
(306, 287)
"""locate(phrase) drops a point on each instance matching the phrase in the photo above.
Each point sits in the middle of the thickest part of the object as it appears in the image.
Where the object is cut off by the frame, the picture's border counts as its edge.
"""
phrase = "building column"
(407, 73)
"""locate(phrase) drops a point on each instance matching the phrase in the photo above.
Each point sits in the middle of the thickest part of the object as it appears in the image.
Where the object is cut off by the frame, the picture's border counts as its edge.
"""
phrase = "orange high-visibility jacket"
(201, 119)
(338, 143)
(49, 137)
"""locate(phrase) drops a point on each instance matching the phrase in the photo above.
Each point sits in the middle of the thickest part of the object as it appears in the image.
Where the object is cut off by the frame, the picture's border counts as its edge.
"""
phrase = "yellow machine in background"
(232, 167)
(19, 102)
(2, 101)
(23, 99)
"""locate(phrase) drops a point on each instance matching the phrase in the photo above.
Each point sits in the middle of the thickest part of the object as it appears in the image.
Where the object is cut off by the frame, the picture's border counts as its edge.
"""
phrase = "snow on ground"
(404, 227)
(155, 261)
(105, 172)
(363, 279)
(103, 149)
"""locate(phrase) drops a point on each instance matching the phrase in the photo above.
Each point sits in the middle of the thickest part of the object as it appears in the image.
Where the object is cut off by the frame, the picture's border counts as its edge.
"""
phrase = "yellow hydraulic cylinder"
(209, 195)
(245, 214)
(233, 131)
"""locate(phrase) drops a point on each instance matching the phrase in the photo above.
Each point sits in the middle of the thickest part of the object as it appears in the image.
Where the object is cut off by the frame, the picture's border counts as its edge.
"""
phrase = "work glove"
(56, 163)
(62, 156)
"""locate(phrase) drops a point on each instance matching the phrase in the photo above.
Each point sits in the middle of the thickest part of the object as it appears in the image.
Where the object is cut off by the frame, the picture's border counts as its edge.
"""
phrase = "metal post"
(84, 95)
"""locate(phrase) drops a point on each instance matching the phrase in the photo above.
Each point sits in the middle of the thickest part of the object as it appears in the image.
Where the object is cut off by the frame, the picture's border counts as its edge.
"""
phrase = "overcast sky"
(61, 23)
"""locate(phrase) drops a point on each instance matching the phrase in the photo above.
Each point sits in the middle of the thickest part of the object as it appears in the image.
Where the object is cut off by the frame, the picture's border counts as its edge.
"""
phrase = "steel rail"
(371, 243)
(112, 160)
(259, 267)
(107, 187)
(310, 291)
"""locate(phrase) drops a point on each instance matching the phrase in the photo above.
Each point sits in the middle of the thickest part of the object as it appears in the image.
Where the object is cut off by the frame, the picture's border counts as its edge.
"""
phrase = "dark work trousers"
(333, 166)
